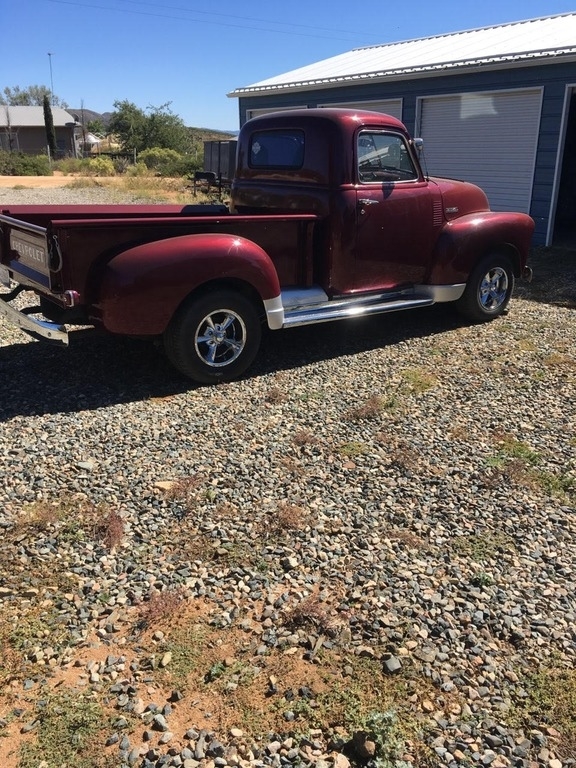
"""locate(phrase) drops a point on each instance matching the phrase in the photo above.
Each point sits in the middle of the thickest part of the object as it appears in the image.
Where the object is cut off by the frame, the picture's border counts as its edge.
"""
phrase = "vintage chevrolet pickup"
(331, 217)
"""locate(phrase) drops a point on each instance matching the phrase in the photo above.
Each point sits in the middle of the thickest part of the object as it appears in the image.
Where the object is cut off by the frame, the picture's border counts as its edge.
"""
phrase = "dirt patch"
(36, 182)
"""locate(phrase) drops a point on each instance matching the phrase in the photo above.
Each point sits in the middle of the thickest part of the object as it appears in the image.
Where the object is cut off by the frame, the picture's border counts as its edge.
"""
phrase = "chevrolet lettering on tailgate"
(29, 251)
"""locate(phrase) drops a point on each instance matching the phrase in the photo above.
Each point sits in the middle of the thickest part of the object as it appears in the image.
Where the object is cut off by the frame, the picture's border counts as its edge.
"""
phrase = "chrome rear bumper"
(21, 318)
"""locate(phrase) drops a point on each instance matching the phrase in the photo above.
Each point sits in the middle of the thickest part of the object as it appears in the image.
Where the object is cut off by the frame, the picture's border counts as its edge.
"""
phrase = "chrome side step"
(340, 309)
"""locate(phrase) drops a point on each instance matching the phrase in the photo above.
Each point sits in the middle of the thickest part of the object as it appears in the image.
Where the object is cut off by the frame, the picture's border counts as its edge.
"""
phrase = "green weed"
(550, 701)
(353, 449)
(480, 548)
(67, 734)
(418, 381)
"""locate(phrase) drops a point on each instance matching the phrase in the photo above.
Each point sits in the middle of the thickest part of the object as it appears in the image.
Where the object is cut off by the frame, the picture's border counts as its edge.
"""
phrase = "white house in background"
(22, 129)
(495, 106)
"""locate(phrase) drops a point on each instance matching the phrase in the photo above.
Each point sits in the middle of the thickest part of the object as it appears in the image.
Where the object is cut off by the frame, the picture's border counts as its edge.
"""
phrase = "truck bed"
(55, 248)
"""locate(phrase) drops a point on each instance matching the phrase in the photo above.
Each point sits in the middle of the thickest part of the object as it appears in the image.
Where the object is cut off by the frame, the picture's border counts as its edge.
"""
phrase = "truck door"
(394, 214)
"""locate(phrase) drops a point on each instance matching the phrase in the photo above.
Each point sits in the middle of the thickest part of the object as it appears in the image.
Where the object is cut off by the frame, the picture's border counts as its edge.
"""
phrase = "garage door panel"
(489, 139)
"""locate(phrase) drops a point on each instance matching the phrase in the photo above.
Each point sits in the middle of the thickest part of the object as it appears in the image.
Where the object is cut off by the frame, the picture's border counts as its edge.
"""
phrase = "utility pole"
(51, 81)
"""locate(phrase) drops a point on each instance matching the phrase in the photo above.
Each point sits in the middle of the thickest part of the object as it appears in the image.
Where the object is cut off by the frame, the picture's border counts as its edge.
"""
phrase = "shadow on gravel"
(554, 280)
(99, 371)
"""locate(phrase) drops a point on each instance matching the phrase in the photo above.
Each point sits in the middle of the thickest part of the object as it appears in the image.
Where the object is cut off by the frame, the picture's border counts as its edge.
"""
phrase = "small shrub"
(187, 491)
(160, 607)
(121, 164)
(288, 517)
(167, 162)
(111, 530)
(309, 613)
(19, 164)
(138, 170)
(99, 166)
(69, 165)
(304, 437)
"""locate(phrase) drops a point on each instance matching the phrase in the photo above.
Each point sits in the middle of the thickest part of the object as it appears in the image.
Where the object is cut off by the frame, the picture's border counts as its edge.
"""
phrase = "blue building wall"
(553, 78)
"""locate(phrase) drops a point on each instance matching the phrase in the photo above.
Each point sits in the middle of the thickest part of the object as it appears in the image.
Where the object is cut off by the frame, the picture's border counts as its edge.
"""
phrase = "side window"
(277, 149)
(384, 157)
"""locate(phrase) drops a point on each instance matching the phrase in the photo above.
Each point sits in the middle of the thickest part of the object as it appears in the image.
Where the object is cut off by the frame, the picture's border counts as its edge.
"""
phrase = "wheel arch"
(465, 242)
(142, 288)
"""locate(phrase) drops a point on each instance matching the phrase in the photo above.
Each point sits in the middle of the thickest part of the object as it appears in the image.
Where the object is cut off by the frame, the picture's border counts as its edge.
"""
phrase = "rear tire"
(214, 338)
(488, 289)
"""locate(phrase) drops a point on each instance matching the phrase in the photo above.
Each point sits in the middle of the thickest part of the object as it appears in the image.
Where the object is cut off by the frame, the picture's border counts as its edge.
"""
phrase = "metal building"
(495, 106)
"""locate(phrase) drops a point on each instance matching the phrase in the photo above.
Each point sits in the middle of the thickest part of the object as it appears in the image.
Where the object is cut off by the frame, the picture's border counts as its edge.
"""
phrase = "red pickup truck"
(331, 217)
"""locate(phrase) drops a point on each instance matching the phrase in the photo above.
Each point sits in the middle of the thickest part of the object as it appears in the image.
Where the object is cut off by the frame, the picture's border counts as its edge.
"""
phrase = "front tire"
(214, 338)
(488, 289)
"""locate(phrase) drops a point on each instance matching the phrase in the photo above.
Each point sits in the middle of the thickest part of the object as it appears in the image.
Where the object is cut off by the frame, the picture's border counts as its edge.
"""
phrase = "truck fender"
(464, 241)
(141, 288)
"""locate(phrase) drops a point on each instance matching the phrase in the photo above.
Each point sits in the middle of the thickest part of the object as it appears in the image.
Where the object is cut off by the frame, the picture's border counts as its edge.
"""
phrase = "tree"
(97, 127)
(138, 131)
(49, 123)
(167, 130)
(33, 96)
(9, 132)
(128, 125)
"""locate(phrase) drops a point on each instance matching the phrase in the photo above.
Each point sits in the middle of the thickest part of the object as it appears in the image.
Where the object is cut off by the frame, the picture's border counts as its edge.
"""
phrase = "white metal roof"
(539, 40)
(32, 117)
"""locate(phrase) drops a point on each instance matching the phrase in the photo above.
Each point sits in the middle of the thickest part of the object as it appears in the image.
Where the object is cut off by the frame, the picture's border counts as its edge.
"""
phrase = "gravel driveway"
(396, 492)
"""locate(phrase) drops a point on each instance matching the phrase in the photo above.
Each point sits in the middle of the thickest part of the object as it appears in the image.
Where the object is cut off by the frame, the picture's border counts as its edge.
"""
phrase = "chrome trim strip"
(39, 329)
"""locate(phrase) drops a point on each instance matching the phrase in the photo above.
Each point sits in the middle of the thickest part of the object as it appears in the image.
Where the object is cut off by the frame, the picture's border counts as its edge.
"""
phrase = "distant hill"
(86, 116)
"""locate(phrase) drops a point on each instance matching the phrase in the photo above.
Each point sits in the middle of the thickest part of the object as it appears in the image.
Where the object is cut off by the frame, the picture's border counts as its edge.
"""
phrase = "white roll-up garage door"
(489, 139)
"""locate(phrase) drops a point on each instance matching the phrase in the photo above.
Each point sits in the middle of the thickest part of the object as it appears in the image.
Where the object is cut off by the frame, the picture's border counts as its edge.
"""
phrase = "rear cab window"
(384, 157)
(277, 149)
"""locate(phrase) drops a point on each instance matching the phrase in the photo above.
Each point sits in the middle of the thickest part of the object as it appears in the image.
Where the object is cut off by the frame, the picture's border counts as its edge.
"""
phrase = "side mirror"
(418, 145)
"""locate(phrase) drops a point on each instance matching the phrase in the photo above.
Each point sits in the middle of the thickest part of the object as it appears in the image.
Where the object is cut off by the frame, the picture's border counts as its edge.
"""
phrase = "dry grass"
(370, 409)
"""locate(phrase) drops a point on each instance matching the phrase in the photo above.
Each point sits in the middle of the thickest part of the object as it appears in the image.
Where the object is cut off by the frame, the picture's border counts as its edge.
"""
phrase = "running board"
(353, 307)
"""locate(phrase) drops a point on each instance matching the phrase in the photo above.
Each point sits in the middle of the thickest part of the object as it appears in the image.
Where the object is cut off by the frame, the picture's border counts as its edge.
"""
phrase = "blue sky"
(191, 53)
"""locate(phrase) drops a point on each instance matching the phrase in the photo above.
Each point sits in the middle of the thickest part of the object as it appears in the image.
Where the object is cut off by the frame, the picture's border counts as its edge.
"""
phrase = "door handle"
(364, 202)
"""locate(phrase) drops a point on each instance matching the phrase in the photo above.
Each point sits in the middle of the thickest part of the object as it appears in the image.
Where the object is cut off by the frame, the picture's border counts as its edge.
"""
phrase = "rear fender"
(464, 241)
(141, 288)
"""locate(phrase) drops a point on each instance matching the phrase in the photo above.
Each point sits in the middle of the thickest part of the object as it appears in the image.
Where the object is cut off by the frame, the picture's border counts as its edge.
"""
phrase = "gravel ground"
(404, 485)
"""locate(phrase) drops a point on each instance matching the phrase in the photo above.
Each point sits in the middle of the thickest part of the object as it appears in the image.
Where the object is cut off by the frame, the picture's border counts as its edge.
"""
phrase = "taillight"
(71, 298)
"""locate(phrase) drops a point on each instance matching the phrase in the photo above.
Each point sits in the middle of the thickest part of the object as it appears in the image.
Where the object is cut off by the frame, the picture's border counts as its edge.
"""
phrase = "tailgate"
(26, 258)
(24, 253)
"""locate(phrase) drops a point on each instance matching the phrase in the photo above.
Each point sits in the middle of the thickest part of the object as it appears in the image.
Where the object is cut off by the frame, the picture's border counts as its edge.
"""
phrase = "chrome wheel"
(493, 289)
(488, 289)
(220, 338)
(214, 337)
